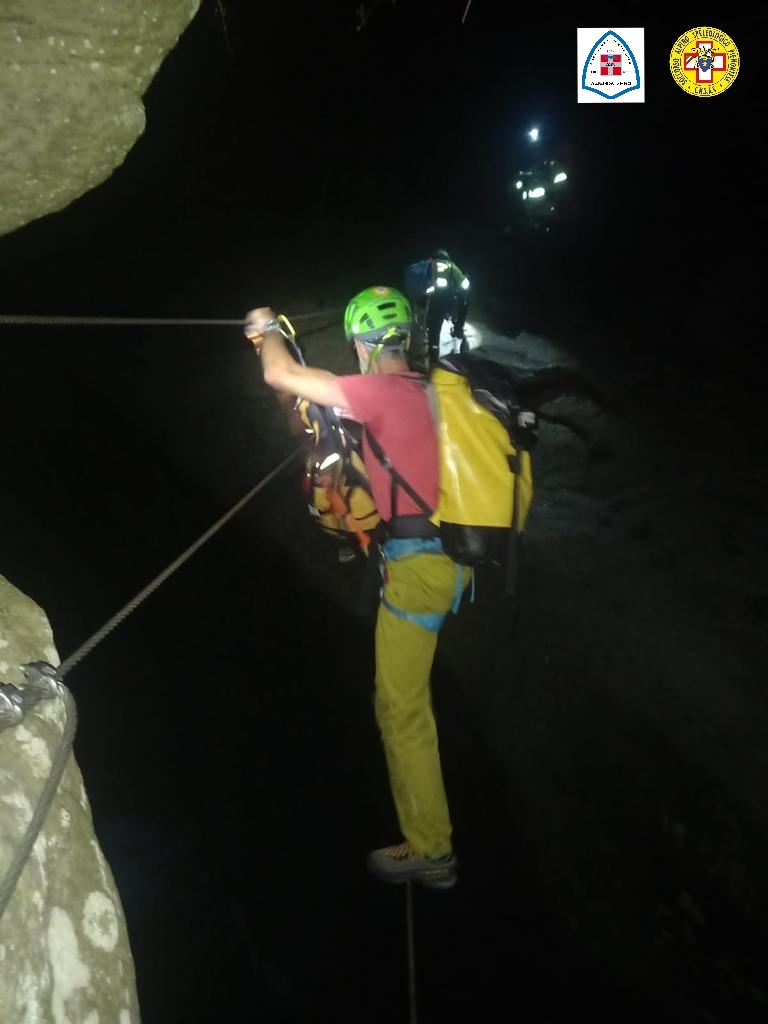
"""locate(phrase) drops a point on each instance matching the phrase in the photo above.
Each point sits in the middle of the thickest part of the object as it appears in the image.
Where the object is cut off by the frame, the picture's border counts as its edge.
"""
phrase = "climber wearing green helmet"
(420, 583)
(379, 318)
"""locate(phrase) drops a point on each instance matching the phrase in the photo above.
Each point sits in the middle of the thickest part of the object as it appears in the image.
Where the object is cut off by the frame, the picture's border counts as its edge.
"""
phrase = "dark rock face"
(72, 77)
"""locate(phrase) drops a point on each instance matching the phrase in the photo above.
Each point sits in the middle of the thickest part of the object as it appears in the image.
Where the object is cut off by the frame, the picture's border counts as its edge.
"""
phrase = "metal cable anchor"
(43, 683)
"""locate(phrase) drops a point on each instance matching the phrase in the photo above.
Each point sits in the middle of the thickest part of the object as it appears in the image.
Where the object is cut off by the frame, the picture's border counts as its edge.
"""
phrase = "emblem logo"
(704, 61)
(610, 64)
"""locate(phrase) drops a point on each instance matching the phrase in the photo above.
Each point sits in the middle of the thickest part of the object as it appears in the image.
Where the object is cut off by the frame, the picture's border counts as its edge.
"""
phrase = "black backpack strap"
(383, 459)
(512, 568)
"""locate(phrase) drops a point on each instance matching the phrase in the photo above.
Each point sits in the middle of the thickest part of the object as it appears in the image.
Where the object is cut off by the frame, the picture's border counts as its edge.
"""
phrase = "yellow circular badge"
(704, 61)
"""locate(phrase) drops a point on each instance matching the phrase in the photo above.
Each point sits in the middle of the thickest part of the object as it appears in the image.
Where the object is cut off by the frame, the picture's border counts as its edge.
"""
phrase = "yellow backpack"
(486, 475)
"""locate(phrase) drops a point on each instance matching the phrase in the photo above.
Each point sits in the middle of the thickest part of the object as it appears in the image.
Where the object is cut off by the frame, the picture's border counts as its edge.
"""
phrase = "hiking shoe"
(401, 863)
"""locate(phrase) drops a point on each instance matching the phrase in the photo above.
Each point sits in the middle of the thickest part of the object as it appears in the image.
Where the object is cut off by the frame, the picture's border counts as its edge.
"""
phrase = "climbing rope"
(132, 321)
(411, 952)
(45, 681)
(99, 635)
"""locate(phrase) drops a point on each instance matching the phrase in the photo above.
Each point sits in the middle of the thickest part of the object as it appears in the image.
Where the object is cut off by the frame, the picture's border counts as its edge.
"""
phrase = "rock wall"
(64, 950)
(72, 77)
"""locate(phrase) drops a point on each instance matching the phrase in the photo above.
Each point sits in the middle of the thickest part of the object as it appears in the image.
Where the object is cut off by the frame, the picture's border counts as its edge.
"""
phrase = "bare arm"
(282, 372)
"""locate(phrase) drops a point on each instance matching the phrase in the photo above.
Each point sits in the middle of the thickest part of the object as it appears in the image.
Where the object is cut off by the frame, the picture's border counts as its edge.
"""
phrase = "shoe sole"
(436, 881)
(443, 883)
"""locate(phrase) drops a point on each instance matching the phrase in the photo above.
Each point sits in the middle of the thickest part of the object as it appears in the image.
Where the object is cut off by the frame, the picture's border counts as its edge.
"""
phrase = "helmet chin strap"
(373, 356)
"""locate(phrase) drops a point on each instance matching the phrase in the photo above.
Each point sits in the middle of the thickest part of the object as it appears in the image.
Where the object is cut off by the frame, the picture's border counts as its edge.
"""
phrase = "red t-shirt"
(396, 408)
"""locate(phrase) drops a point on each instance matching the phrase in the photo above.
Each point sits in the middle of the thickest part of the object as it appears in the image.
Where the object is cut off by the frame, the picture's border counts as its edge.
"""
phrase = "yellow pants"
(418, 591)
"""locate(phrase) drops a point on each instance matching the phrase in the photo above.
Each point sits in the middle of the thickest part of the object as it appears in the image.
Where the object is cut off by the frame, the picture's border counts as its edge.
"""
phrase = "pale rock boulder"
(65, 955)
(72, 77)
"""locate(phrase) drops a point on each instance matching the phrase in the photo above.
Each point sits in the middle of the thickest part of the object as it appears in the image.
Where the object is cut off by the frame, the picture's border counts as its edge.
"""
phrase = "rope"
(116, 619)
(225, 30)
(47, 793)
(411, 952)
(133, 321)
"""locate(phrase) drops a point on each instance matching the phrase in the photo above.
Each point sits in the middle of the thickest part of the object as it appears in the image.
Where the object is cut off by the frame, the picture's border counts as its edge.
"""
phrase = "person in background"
(440, 290)
(420, 583)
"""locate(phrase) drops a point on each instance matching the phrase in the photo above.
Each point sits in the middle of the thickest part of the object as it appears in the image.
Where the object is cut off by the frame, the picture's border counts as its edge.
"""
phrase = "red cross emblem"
(610, 63)
(705, 59)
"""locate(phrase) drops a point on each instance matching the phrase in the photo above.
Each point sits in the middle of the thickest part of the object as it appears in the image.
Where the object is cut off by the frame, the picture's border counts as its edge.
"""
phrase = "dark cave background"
(226, 732)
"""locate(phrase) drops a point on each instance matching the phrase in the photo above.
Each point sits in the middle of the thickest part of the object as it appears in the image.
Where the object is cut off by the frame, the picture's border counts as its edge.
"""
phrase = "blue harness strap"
(431, 623)
(397, 548)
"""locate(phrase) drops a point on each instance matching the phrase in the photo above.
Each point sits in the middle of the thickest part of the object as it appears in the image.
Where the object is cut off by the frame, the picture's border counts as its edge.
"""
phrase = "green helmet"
(378, 316)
